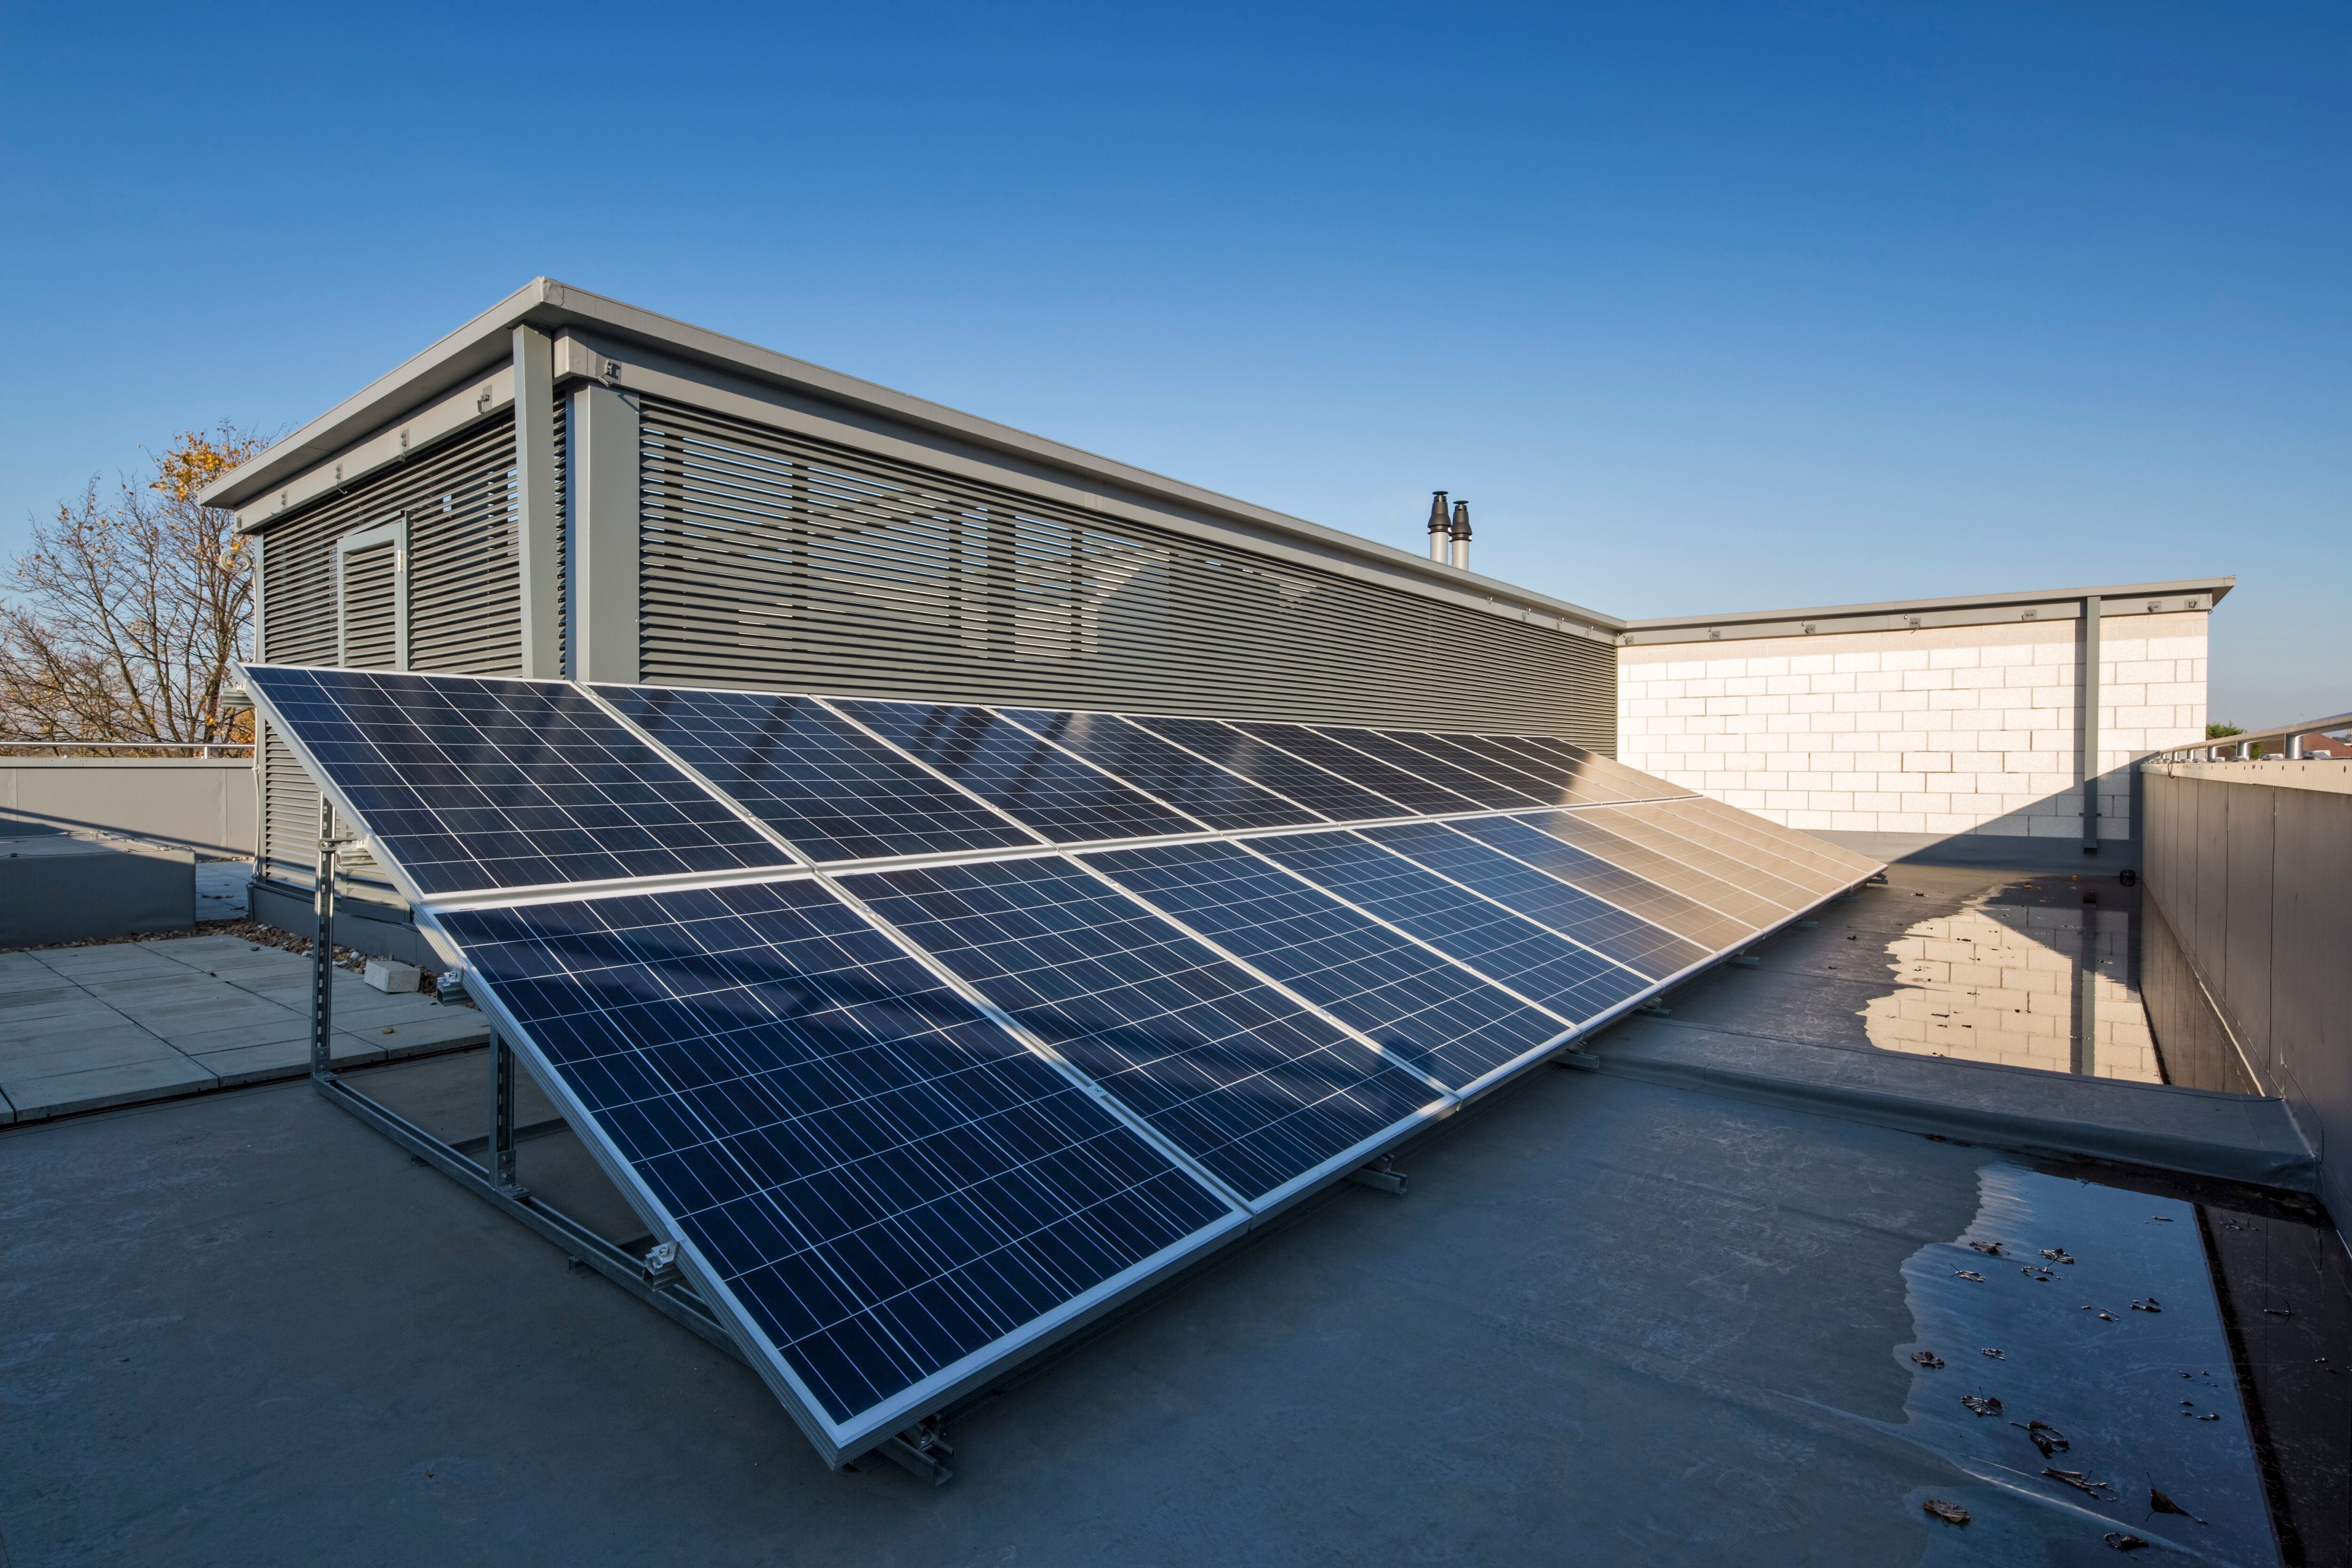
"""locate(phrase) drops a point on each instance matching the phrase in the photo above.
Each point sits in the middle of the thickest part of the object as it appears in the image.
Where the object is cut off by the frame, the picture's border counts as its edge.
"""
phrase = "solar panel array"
(930, 1030)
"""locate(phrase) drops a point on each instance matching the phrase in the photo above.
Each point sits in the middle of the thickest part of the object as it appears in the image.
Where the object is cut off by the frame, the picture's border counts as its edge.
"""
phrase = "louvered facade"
(787, 563)
(711, 514)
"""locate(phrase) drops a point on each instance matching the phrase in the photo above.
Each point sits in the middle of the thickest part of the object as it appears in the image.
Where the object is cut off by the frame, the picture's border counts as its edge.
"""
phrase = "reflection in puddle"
(2027, 974)
(2129, 1399)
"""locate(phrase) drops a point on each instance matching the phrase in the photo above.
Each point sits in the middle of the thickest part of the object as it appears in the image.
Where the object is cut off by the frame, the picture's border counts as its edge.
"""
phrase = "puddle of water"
(2140, 1399)
(2060, 974)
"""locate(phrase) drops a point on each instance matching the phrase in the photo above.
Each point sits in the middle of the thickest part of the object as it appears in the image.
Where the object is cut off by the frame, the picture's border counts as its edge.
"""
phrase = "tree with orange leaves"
(128, 609)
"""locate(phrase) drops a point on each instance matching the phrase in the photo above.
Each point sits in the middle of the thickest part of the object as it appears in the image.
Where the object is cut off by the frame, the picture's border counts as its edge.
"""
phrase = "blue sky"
(1703, 307)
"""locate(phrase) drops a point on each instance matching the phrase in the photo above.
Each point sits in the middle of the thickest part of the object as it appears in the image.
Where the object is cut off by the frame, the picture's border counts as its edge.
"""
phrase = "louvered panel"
(371, 609)
(769, 559)
(465, 605)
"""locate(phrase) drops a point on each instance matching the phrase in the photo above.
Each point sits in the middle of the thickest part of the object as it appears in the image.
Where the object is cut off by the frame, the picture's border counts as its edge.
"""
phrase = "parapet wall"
(2251, 865)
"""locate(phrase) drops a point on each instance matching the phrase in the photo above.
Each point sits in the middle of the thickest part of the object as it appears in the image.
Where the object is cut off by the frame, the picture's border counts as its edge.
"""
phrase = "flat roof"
(2194, 594)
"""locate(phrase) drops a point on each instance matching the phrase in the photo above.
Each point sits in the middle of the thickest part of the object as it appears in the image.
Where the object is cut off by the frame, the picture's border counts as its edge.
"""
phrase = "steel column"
(539, 525)
(2086, 724)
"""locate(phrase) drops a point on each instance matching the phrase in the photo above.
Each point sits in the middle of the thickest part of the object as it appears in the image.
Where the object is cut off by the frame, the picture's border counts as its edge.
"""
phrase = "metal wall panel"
(464, 605)
(774, 561)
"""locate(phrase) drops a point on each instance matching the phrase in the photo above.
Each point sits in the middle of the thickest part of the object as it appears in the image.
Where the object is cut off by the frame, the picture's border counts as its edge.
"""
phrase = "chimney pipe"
(1437, 525)
(1460, 534)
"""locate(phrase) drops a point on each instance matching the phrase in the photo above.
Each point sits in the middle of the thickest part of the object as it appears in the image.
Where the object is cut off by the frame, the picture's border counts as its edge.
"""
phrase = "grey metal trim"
(2086, 723)
(2186, 594)
(603, 490)
(539, 526)
(393, 536)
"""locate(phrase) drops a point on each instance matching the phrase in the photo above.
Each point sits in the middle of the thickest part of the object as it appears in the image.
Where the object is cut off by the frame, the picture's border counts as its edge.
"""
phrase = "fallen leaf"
(2208, 1417)
(2163, 1504)
(1949, 1512)
(2147, 1306)
(387, 1028)
(1989, 1248)
(1968, 1274)
(2057, 1255)
(2162, 1218)
(2080, 1482)
(1983, 1403)
(2030, 1272)
(2107, 1317)
(2122, 1542)
(1927, 1358)
(1996, 1355)
(2278, 1311)
(2045, 1436)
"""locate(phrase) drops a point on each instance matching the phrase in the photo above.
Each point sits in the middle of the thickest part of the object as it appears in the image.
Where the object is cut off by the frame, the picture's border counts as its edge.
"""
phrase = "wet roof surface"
(1611, 1320)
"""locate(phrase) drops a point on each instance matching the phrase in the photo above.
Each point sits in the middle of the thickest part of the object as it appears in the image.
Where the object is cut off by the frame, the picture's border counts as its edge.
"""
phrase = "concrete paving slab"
(281, 1025)
(106, 961)
(52, 1013)
(112, 1044)
(65, 1094)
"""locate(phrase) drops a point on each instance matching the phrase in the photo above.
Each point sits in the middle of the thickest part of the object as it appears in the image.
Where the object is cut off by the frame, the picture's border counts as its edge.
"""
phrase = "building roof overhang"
(484, 345)
(2196, 594)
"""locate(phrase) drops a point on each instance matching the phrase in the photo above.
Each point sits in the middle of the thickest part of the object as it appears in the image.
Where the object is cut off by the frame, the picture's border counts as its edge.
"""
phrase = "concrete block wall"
(1927, 732)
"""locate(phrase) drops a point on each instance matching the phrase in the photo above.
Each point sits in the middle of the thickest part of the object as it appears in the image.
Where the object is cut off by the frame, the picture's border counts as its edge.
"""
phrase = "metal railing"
(2240, 747)
(204, 748)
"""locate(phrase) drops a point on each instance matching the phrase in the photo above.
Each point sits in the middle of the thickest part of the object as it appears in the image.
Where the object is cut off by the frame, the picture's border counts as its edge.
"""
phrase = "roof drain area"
(2070, 1358)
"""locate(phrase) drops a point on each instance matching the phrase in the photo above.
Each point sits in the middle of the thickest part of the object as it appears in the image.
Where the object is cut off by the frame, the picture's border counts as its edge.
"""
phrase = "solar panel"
(1435, 1015)
(1637, 824)
(887, 1184)
(1260, 1090)
(834, 791)
(909, 1122)
(1708, 929)
(467, 782)
(1018, 773)
(1584, 831)
(1413, 795)
(1163, 770)
(1266, 766)
(1538, 964)
(1423, 762)
(1649, 950)
(1562, 779)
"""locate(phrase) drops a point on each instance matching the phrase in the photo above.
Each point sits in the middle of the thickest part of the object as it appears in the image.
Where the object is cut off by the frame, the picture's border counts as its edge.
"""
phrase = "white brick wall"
(1941, 731)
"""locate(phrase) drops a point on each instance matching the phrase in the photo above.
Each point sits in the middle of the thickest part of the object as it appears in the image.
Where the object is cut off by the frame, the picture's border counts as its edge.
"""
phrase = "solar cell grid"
(1641, 823)
(1258, 1088)
(1413, 794)
(1017, 772)
(1275, 769)
(1436, 1017)
(886, 1181)
(1584, 830)
(1538, 964)
(1425, 763)
(832, 789)
(1649, 950)
(1558, 781)
(468, 782)
(1515, 774)
(1840, 868)
(1765, 864)
(1603, 777)
(1707, 928)
(1163, 770)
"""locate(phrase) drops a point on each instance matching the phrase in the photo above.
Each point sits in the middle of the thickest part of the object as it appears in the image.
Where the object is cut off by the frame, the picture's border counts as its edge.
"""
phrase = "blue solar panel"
(1546, 900)
(1258, 1088)
(1598, 779)
(1436, 1017)
(834, 791)
(1538, 964)
(1163, 770)
(1277, 770)
(1710, 929)
(886, 1183)
(467, 782)
(1413, 795)
(1648, 824)
(1017, 773)
(1425, 763)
